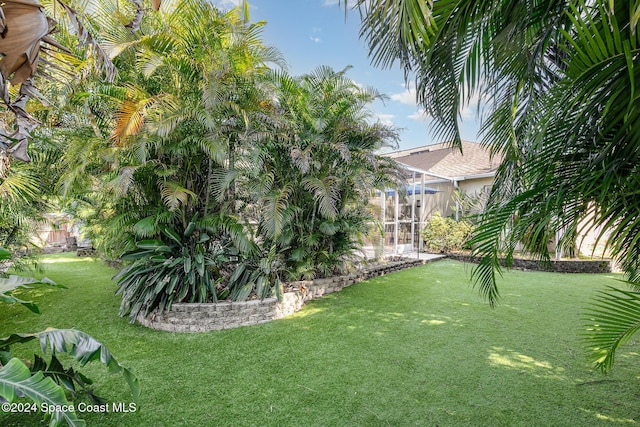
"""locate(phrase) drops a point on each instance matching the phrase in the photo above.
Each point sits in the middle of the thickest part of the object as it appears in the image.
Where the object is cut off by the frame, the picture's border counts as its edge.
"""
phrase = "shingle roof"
(443, 160)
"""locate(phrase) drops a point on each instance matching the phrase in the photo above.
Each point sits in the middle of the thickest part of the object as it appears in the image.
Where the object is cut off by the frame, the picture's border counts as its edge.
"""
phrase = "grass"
(417, 347)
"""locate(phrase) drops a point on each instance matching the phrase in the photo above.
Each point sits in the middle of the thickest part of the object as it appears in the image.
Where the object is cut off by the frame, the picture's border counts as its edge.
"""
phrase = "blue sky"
(310, 33)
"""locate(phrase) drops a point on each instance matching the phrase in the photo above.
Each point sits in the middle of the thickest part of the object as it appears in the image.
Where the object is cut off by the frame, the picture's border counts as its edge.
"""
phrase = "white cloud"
(408, 97)
(467, 112)
(227, 4)
(470, 110)
(420, 116)
(313, 37)
(385, 119)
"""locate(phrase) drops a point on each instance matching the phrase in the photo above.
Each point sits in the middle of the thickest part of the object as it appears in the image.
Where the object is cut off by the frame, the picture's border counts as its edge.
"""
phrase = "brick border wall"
(558, 266)
(185, 317)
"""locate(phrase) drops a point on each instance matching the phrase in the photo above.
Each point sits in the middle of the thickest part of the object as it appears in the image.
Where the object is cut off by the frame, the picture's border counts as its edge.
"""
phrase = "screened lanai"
(402, 212)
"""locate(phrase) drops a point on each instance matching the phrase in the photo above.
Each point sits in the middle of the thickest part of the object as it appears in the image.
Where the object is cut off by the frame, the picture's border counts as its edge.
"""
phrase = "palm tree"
(188, 87)
(317, 169)
(558, 81)
(181, 114)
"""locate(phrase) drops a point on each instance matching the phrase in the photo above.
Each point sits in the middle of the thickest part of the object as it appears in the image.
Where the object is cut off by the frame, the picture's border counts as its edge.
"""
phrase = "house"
(446, 170)
(435, 173)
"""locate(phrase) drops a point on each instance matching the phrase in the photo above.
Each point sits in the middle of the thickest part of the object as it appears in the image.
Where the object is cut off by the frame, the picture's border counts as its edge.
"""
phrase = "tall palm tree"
(558, 82)
(181, 113)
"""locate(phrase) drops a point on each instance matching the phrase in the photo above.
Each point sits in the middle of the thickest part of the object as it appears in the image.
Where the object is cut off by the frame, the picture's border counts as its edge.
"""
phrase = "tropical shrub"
(317, 170)
(442, 234)
(150, 144)
(181, 265)
(144, 164)
(257, 276)
(45, 383)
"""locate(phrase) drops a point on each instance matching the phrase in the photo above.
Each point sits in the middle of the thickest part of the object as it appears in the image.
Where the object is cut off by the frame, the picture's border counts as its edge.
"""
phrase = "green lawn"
(417, 347)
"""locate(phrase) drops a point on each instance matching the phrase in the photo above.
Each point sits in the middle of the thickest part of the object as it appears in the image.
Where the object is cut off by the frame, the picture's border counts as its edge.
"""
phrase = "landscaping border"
(557, 266)
(185, 317)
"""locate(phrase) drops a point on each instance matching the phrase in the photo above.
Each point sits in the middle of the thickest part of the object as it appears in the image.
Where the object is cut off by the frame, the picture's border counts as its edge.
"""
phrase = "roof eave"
(475, 176)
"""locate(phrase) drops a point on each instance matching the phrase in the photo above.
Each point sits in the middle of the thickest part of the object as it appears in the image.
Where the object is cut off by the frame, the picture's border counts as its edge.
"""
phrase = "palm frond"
(612, 319)
(276, 212)
(175, 195)
(326, 193)
(129, 120)
(19, 187)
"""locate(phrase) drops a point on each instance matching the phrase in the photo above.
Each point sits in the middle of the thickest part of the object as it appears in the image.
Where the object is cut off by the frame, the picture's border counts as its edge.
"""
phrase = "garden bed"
(185, 317)
(559, 266)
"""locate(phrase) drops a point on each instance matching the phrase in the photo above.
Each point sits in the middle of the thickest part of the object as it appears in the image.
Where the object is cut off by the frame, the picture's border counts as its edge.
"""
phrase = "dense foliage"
(198, 161)
(209, 168)
(443, 234)
(27, 191)
(185, 268)
(317, 172)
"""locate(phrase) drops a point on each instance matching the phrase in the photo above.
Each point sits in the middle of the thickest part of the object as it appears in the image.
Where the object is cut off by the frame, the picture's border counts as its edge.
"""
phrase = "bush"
(445, 234)
(178, 264)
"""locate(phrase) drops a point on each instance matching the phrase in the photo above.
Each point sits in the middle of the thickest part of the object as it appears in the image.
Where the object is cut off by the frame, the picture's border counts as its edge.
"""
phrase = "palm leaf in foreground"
(611, 320)
(81, 346)
(13, 282)
(16, 380)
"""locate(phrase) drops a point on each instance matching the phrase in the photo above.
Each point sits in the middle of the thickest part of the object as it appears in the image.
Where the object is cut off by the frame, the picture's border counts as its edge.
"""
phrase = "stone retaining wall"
(558, 266)
(225, 315)
(85, 252)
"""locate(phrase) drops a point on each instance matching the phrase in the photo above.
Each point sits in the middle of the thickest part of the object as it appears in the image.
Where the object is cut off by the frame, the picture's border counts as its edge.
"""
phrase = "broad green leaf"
(150, 244)
(80, 346)
(4, 254)
(146, 227)
(16, 380)
(13, 282)
(171, 234)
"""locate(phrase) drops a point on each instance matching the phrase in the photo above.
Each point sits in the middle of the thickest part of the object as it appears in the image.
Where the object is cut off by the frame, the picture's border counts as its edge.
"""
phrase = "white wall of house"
(475, 186)
(588, 242)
